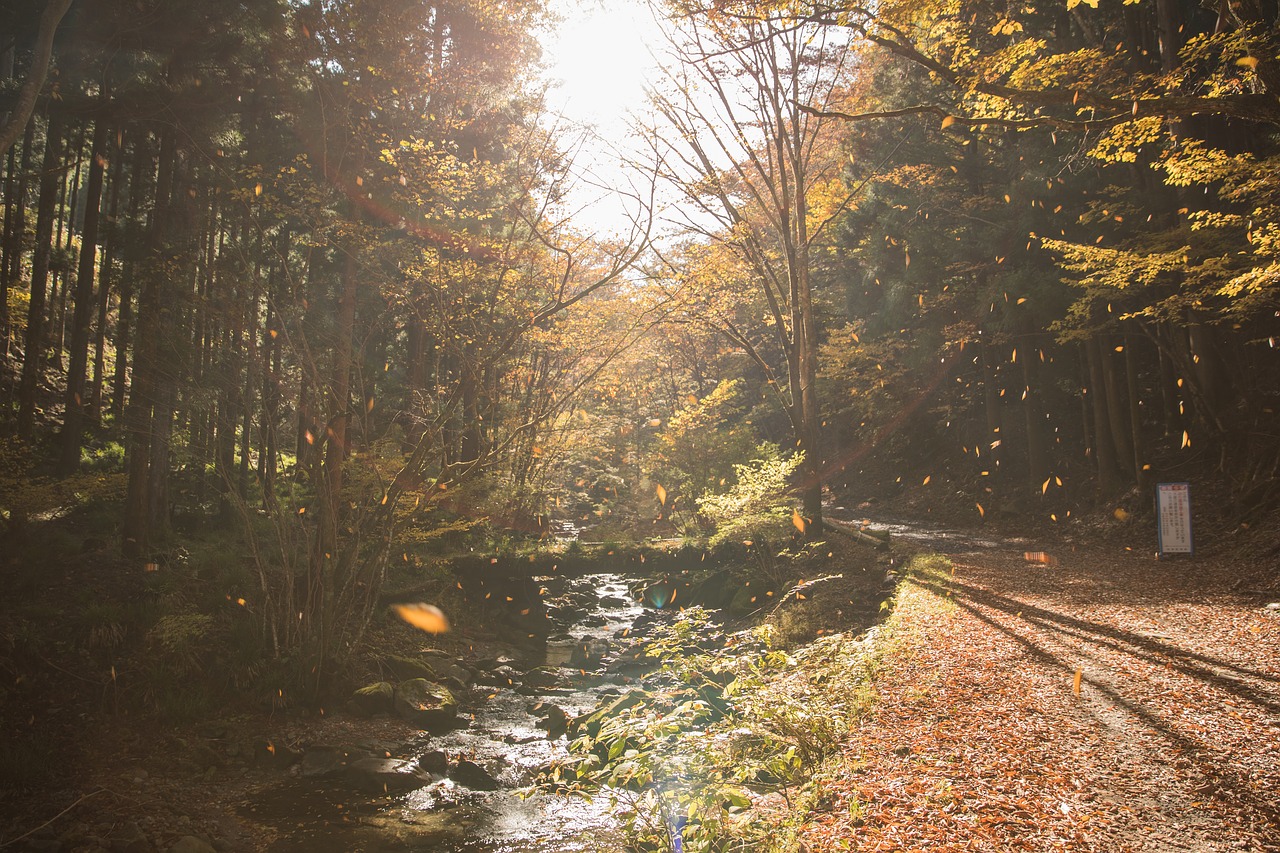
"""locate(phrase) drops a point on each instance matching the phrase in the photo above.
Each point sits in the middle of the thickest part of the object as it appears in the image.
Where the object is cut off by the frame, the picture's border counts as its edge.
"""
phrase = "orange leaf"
(425, 617)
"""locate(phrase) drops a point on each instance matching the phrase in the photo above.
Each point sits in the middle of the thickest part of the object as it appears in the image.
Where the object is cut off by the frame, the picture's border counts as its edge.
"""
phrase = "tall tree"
(748, 146)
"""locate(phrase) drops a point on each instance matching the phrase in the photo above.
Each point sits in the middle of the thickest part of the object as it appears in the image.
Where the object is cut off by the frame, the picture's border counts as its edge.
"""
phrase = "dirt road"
(980, 741)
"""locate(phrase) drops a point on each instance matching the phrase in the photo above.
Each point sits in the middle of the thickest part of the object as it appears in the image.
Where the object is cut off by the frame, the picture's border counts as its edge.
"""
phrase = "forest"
(306, 334)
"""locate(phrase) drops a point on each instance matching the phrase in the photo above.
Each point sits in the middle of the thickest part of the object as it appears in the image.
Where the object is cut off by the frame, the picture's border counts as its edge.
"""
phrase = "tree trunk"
(111, 250)
(1135, 414)
(77, 406)
(993, 443)
(1033, 409)
(1117, 410)
(1170, 398)
(1103, 449)
(32, 369)
(14, 237)
(149, 418)
(124, 325)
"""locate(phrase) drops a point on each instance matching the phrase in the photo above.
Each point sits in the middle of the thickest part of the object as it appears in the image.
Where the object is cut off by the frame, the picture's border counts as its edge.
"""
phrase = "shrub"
(757, 506)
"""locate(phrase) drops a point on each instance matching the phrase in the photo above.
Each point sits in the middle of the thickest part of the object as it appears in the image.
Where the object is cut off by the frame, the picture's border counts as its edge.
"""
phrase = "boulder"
(435, 762)
(329, 760)
(387, 775)
(541, 676)
(462, 674)
(613, 601)
(404, 668)
(659, 594)
(552, 718)
(473, 776)
(377, 698)
(426, 704)
(715, 592)
(500, 676)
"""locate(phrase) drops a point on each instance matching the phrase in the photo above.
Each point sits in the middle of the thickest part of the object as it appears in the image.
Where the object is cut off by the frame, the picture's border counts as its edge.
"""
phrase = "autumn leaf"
(425, 617)
(662, 495)
(798, 520)
(948, 121)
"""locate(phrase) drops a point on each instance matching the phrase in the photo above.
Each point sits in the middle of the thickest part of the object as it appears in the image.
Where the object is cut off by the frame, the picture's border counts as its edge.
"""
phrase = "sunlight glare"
(598, 63)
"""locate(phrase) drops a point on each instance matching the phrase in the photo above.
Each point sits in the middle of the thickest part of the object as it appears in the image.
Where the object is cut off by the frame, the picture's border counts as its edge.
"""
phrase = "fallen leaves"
(424, 617)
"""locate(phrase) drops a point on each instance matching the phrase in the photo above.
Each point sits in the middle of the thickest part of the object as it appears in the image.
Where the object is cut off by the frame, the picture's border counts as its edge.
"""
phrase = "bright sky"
(599, 63)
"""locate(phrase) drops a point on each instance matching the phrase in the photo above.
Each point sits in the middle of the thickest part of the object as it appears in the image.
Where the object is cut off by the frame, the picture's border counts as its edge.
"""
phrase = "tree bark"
(32, 367)
(16, 233)
(149, 418)
(1033, 409)
(76, 412)
(1117, 410)
(124, 326)
(1135, 413)
(1103, 449)
(36, 74)
(110, 251)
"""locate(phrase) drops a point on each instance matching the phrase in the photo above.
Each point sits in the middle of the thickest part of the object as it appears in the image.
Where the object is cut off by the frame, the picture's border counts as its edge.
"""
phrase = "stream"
(443, 811)
(504, 739)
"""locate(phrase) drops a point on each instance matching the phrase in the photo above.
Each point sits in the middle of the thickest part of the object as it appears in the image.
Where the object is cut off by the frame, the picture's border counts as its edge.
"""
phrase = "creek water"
(504, 739)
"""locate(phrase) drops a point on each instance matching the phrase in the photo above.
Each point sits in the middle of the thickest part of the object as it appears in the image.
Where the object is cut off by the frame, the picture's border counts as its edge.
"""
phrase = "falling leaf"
(1121, 514)
(425, 617)
(926, 480)
(1042, 557)
(1075, 683)
(982, 513)
(1045, 486)
(947, 121)
(1250, 62)
(798, 520)
(662, 494)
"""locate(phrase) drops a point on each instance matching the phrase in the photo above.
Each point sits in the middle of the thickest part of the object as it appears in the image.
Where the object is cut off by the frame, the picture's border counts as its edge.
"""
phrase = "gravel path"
(979, 740)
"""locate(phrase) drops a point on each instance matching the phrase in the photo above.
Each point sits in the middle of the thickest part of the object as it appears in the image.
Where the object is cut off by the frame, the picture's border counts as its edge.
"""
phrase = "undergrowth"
(727, 747)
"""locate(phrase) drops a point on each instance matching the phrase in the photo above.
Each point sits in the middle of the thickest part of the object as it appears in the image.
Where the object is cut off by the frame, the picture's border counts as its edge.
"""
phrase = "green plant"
(728, 718)
(757, 506)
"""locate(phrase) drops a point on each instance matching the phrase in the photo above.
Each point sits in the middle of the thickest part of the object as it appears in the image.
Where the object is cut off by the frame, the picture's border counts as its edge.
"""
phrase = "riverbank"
(294, 776)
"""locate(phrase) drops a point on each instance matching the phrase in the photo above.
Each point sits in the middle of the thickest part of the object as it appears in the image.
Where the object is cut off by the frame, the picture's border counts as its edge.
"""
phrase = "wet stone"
(426, 704)
(472, 775)
(387, 775)
(374, 699)
(321, 761)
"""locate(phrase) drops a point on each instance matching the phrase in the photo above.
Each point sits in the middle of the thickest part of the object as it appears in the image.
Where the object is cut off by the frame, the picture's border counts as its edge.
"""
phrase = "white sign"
(1173, 515)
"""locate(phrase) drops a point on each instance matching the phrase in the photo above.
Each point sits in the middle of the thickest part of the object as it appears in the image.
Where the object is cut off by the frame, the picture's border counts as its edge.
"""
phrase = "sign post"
(1173, 517)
